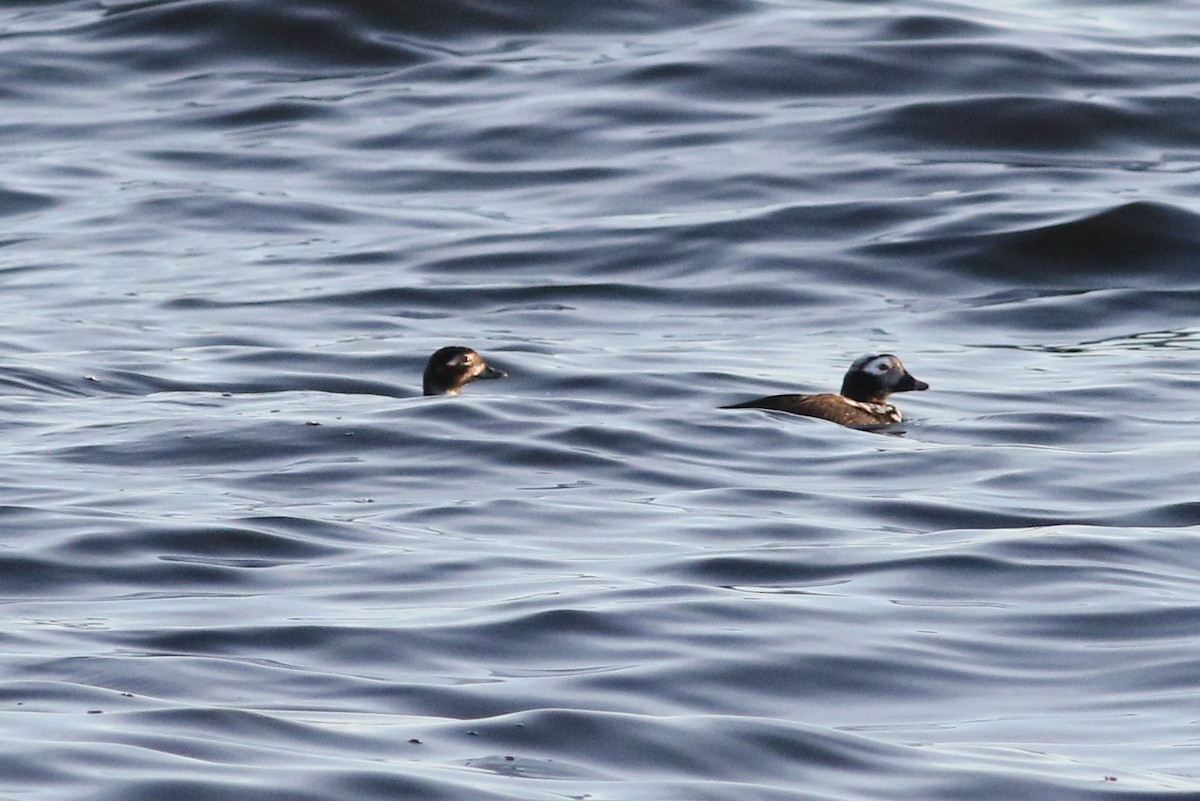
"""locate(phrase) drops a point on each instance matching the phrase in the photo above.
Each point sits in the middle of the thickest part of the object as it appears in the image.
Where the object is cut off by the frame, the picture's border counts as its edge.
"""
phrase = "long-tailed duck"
(863, 399)
(452, 367)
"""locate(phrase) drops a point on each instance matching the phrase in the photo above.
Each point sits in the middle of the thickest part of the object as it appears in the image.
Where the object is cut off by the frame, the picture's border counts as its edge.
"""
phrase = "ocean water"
(241, 557)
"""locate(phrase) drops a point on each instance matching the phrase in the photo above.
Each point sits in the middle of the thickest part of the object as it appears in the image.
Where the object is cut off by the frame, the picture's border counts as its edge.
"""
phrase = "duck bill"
(908, 384)
(492, 372)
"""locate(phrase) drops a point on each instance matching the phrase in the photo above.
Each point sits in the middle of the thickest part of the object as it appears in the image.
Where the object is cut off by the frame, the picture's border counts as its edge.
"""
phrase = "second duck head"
(451, 368)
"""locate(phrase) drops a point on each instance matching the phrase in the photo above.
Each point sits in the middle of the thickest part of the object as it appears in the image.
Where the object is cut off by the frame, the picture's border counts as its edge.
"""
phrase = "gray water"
(242, 558)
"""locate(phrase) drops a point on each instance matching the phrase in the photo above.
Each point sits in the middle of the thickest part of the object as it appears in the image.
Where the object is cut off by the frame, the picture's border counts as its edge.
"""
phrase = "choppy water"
(241, 558)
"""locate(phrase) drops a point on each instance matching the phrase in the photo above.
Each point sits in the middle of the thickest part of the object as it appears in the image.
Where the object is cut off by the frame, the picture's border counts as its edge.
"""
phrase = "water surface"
(241, 555)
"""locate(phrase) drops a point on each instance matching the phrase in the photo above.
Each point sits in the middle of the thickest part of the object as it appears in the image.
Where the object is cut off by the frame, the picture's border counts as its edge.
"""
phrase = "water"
(242, 558)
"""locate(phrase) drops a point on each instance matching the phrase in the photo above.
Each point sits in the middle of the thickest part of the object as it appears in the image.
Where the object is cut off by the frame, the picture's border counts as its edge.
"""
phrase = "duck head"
(871, 378)
(451, 368)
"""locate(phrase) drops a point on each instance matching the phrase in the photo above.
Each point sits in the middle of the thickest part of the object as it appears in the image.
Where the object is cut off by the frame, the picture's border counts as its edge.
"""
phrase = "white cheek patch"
(880, 366)
(865, 363)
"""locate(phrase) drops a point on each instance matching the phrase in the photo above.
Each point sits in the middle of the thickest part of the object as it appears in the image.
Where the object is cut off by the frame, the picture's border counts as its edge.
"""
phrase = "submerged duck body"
(451, 368)
(862, 402)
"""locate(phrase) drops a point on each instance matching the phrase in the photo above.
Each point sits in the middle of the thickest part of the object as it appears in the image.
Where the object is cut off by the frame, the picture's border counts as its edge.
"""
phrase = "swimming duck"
(863, 399)
(451, 367)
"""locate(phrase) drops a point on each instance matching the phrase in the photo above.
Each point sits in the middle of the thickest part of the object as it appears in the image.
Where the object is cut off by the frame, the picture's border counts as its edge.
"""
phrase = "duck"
(451, 368)
(862, 403)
